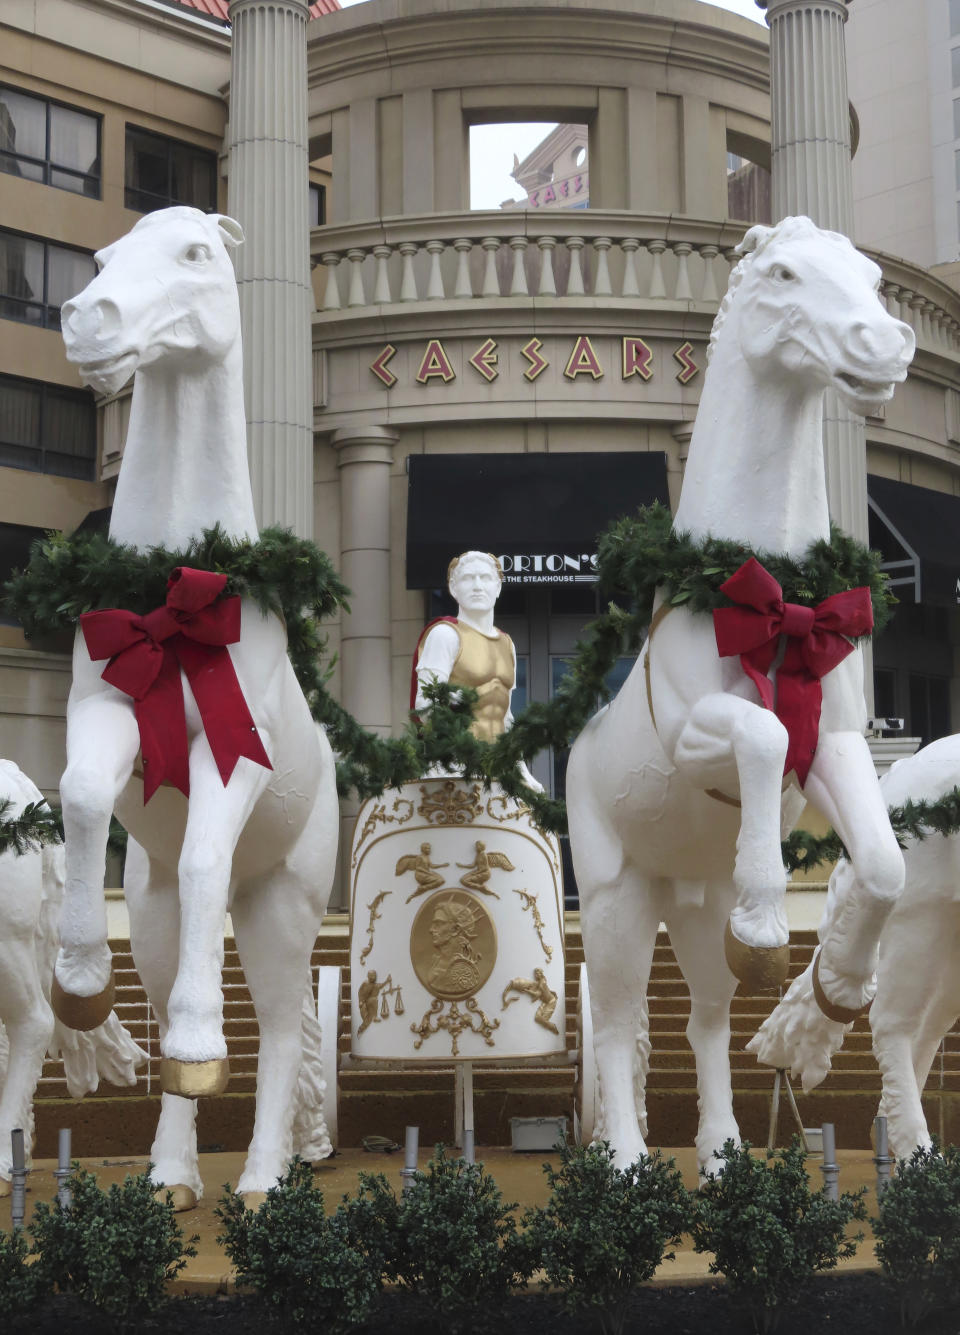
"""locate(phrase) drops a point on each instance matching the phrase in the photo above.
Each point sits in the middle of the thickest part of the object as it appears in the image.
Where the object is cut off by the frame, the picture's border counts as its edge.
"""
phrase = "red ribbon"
(191, 631)
(816, 642)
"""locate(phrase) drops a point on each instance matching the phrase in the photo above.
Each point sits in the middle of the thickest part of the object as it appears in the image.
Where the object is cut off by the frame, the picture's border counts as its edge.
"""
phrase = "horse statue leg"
(809, 1024)
(695, 930)
(276, 918)
(150, 890)
(194, 1050)
(722, 731)
(102, 744)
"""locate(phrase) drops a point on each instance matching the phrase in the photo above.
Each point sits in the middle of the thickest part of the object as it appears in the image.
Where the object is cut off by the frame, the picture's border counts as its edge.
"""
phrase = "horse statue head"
(165, 292)
(806, 306)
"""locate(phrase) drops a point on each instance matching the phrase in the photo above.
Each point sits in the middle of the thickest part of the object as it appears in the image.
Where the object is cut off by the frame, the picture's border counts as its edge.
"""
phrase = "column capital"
(364, 444)
(776, 7)
(300, 7)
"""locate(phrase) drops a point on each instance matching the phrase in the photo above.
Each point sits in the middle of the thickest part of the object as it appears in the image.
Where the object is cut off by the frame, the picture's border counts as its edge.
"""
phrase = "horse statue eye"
(783, 274)
(196, 254)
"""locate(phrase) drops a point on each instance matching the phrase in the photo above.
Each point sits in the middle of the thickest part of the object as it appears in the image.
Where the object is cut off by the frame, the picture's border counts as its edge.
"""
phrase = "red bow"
(816, 642)
(191, 631)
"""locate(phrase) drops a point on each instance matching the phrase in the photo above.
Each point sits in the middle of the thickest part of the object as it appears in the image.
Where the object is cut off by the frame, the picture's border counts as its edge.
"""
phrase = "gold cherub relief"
(477, 872)
(538, 989)
(424, 871)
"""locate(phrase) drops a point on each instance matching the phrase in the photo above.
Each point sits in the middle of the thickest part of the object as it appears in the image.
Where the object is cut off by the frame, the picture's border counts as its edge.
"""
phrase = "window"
(318, 205)
(44, 141)
(37, 277)
(161, 172)
(954, 18)
(47, 429)
(929, 707)
(955, 66)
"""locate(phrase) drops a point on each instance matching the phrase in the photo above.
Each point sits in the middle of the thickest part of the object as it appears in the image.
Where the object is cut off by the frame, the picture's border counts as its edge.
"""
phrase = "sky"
(492, 146)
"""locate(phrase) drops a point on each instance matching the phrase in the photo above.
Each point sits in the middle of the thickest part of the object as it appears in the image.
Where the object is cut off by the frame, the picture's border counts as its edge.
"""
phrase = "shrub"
(605, 1229)
(451, 1240)
(768, 1231)
(21, 1284)
(116, 1250)
(310, 1269)
(918, 1232)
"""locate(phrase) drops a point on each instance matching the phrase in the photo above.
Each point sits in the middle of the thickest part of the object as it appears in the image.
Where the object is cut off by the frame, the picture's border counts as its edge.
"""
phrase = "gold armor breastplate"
(486, 665)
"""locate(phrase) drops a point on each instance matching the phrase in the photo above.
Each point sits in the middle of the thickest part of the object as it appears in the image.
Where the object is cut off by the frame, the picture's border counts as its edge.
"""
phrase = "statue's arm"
(438, 653)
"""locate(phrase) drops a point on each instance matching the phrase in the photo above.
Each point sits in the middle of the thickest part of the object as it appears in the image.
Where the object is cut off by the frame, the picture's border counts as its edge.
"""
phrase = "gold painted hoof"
(252, 1200)
(5, 1187)
(184, 1198)
(194, 1080)
(760, 968)
(83, 1013)
(841, 1014)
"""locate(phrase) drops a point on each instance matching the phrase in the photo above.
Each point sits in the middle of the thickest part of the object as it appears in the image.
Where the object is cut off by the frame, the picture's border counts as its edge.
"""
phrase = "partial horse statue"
(31, 888)
(258, 834)
(918, 972)
(676, 791)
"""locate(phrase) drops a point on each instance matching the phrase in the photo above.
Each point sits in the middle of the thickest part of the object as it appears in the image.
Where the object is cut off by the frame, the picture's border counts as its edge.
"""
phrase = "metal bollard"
(63, 1168)
(18, 1179)
(411, 1147)
(883, 1159)
(469, 1146)
(830, 1168)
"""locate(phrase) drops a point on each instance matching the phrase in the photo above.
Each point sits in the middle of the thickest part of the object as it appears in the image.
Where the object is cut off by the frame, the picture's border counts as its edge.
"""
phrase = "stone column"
(364, 457)
(268, 196)
(810, 157)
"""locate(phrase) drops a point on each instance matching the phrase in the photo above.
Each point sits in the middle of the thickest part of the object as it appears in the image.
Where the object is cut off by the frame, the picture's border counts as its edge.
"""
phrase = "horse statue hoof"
(181, 1198)
(83, 1013)
(841, 1014)
(761, 968)
(194, 1080)
(252, 1200)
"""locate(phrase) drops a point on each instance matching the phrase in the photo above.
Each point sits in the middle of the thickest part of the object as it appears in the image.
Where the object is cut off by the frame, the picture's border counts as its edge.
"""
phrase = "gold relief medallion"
(450, 804)
(453, 945)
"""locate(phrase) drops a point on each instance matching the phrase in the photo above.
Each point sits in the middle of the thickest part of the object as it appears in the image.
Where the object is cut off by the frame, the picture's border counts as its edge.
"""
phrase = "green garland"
(67, 576)
(36, 827)
(802, 851)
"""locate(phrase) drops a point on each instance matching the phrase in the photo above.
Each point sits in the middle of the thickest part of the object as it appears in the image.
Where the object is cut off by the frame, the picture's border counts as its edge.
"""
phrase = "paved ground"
(519, 1177)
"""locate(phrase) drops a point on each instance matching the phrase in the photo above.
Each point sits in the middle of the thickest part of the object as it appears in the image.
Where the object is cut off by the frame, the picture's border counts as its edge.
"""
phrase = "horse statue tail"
(105, 1053)
(311, 1138)
(641, 1069)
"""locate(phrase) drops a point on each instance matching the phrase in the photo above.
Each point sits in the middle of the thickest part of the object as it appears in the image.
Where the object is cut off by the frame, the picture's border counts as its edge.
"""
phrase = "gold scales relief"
(456, 919)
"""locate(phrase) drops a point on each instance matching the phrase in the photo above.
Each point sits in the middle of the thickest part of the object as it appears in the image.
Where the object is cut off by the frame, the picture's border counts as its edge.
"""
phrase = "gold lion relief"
(453, 945)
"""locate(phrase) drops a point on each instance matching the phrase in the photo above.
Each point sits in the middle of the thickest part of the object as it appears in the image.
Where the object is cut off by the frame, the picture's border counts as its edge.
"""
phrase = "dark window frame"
(44, 450)
(321, 190)
(132, 194)
(50, 311)
(46, 164)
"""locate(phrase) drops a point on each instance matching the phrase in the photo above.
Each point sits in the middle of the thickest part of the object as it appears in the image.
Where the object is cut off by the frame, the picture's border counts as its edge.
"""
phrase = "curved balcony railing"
(571, 254)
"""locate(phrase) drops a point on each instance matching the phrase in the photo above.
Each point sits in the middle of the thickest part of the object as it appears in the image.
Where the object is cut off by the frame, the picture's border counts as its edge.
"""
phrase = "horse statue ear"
(754, 240)
(231, 233)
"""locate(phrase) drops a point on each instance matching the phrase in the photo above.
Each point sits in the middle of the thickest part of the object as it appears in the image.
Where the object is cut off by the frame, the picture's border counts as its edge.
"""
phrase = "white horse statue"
(258, 834)
(918, 971)
(31, 888)
(656, 780)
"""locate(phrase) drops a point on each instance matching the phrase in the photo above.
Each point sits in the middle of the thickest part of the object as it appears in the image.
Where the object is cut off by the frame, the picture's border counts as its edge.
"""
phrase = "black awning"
(540, 513)
(918, 532)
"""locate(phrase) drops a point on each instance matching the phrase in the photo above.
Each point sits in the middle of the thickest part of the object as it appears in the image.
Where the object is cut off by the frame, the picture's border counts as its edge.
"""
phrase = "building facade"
(511, 379)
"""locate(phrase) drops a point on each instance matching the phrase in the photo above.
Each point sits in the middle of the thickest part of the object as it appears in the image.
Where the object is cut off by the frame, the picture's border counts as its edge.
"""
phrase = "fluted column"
(365, 457)
(268, 197)
(810, 164)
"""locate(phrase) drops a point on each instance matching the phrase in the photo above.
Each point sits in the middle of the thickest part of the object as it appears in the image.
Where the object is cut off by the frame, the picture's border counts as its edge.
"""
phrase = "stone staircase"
(382, 1100)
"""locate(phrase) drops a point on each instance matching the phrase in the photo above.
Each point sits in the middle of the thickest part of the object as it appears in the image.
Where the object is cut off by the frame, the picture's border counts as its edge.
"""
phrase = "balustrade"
(464, 258)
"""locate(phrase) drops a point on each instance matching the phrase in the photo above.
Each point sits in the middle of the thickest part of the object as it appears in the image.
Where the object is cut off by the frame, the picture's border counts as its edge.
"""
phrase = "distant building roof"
(217, 9)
